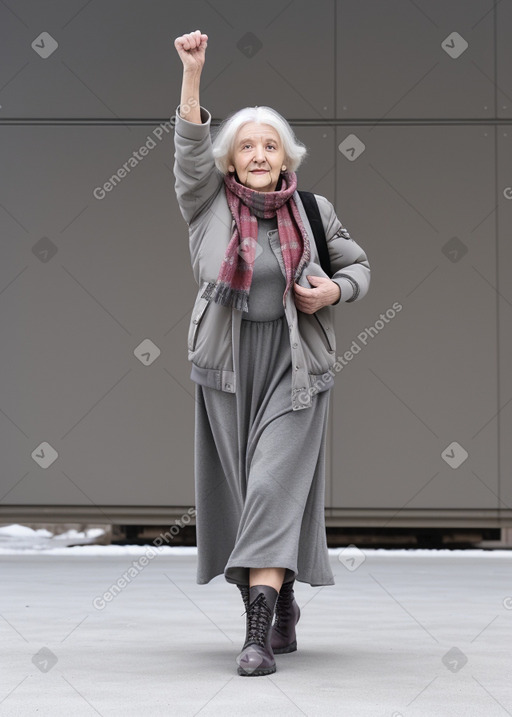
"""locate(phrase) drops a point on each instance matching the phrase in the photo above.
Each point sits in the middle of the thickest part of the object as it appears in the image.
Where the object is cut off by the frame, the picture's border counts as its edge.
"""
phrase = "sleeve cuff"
(347, 290)
(192, 130)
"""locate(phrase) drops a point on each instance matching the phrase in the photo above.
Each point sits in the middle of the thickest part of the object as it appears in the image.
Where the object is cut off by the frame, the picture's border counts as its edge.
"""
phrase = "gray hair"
(224, 139)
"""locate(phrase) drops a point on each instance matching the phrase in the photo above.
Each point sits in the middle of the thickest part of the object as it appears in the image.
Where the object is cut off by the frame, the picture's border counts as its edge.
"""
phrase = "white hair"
(225, 136)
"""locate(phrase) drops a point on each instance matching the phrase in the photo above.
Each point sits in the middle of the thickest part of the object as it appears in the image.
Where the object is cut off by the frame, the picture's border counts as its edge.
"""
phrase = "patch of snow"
(23, 531)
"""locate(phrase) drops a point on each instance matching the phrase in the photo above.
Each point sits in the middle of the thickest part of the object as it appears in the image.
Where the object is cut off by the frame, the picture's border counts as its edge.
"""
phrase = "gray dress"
(259, 465)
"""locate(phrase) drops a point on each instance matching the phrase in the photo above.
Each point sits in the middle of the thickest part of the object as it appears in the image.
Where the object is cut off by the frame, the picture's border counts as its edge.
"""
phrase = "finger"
(192, 39)
(196, 37)
(189, 41)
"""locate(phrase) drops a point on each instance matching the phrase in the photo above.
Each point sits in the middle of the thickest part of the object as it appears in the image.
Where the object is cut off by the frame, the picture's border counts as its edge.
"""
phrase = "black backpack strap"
(313, 214)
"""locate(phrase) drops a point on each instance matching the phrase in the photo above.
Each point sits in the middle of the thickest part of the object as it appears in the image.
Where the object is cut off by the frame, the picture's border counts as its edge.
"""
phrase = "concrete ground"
(402, 633)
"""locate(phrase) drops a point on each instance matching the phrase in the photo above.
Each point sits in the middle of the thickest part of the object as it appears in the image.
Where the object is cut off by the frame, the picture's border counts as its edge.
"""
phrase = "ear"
(231, 168)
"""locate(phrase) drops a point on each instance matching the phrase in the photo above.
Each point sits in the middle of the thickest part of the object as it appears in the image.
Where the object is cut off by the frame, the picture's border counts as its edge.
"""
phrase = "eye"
(272, 146)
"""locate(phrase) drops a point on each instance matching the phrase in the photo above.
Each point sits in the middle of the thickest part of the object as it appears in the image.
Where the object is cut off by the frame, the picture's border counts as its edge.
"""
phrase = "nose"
(259, 154)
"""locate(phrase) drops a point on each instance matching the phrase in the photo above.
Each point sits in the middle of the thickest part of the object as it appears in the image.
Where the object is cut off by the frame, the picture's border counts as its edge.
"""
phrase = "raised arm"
(192, 51)
(197, 178)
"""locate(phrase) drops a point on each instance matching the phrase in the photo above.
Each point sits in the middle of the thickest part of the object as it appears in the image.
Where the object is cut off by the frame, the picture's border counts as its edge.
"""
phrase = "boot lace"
(258, 617)
(244, 590)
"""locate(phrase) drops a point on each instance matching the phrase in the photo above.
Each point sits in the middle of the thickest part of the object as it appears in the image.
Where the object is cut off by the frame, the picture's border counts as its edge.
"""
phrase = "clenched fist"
(191, 47)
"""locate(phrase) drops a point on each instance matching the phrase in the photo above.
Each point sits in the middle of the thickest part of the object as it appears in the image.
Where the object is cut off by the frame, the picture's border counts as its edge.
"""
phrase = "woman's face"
(258, 156)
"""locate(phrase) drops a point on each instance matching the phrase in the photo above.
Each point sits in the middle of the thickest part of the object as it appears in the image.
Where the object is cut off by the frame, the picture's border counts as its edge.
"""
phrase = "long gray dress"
(259, 465)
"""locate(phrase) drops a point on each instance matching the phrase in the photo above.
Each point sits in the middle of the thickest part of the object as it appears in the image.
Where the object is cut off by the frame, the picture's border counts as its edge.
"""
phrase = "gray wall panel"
(391, 62)
(117, 273)
(422, 380)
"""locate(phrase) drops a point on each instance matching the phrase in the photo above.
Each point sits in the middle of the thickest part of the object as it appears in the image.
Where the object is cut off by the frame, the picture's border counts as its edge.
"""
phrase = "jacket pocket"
(318, 340)
(198, 311)
(328, 332)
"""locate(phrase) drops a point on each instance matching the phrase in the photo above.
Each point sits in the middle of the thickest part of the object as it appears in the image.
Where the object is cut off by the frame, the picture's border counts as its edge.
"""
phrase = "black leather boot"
(283, 638)
(257, 657)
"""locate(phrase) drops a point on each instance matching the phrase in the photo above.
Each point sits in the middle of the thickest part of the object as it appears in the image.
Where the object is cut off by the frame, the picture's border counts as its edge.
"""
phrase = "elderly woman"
(262, 346)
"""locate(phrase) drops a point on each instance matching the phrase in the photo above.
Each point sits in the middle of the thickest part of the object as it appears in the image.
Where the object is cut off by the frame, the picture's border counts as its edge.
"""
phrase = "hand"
(191, 48)
(324, 292)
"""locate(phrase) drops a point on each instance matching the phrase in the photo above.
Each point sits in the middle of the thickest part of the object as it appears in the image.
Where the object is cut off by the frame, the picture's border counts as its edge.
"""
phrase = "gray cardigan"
(214, 330)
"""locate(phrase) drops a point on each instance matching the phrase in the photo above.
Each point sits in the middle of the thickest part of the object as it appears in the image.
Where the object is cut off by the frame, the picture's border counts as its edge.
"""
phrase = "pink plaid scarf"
(235, 275)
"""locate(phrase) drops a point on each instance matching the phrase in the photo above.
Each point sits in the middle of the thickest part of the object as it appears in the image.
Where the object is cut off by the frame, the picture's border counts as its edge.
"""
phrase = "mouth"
(259, 171)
